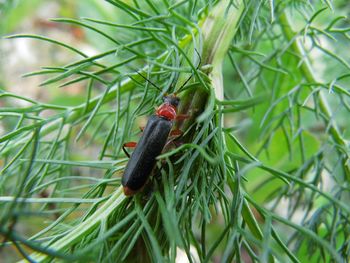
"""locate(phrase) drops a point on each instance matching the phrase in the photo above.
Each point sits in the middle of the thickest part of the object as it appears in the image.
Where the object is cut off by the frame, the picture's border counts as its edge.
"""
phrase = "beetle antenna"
(154, 85)
(199, 62)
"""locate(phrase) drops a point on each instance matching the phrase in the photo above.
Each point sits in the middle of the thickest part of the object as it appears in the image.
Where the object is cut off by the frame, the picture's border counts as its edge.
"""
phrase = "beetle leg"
(173, 136)
(181, 117)
(176, 132)
(128, 145)
(126, 153)
(171, 144)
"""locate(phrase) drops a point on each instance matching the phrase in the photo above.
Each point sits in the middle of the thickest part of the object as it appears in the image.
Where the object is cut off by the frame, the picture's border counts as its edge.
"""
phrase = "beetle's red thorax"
(167, 111)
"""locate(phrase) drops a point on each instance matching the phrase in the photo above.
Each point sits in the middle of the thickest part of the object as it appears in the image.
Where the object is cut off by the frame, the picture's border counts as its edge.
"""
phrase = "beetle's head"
(172, 100)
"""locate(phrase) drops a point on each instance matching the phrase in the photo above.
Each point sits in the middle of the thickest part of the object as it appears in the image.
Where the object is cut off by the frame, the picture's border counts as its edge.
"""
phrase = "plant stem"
(219, 29)
(80, 231)
(306, 68)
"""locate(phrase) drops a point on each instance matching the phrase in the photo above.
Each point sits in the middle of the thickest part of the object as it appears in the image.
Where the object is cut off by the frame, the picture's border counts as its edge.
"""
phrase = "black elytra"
(143, 158)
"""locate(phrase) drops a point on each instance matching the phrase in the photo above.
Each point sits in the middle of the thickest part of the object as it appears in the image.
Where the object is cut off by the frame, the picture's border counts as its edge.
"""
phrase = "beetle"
(154, 138)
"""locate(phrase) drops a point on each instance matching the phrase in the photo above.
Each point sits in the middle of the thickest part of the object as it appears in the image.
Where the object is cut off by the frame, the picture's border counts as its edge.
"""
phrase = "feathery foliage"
(262, 171)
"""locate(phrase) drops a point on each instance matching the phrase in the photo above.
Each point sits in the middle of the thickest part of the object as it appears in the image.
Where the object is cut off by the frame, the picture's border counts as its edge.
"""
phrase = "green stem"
(80, 231)
(306, 68)
(219, 29)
